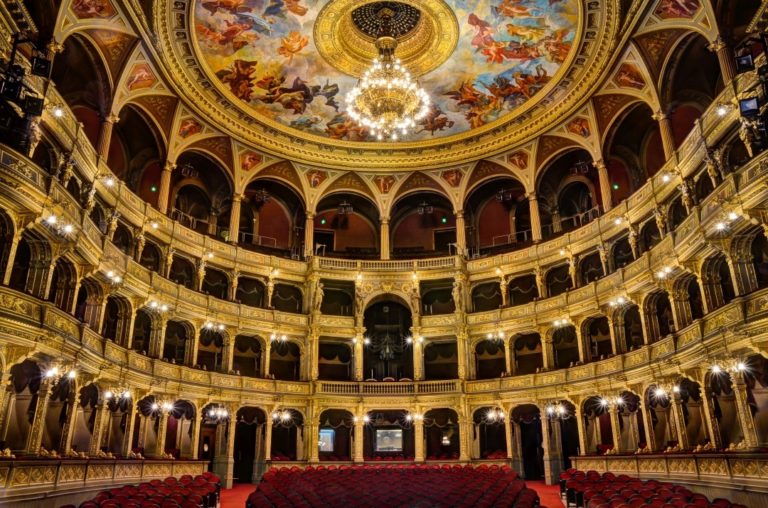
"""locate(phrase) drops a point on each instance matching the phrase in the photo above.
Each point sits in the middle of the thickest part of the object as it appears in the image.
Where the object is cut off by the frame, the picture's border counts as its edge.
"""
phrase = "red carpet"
(236, 496)
(549, 494)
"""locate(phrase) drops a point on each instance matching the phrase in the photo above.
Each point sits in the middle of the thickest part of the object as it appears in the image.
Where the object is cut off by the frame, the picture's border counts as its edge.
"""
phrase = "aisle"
(236, 496)
(549, 494)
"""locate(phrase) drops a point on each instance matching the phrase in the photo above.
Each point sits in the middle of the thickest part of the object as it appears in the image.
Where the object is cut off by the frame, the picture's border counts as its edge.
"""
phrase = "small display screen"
(326, 440)
(389, 440)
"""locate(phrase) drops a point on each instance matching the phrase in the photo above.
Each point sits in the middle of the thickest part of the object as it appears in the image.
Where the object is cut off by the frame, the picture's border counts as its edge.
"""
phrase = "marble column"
(309, 234)
(105, 136)
(667, 138)
(234, 219)
(164, 189)
(536, 230)
(725, 59)
(605, 184)
(744, 412)
(418, 435)
(461, 233)
(384, 238)
(100, 427)
(35, 436)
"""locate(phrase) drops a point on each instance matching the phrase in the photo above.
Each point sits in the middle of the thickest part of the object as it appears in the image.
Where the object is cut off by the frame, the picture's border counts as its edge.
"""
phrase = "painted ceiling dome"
(480, 61)
(275, 72)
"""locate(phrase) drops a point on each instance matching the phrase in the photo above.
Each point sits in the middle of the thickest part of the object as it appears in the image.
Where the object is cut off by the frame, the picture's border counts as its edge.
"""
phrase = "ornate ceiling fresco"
(273, 73)
(292, 61)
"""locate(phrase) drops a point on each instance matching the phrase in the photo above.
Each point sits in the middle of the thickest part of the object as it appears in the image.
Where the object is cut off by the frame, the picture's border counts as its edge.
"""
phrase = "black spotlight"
(41, 66)
(33, 106)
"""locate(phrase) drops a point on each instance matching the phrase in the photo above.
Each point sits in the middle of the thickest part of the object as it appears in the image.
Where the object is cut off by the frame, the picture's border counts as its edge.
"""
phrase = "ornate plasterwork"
(596, 35)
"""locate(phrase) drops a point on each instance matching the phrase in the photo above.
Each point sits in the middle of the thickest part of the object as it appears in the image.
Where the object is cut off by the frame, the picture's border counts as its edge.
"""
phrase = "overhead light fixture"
(386, 100)
(425, 208)
(346, 208)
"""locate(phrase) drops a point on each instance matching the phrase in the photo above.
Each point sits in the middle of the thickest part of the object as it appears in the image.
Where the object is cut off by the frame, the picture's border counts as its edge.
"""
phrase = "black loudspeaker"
(745, 63)
(749, 107)
(41, 66)
(33, 106)
(10, 89)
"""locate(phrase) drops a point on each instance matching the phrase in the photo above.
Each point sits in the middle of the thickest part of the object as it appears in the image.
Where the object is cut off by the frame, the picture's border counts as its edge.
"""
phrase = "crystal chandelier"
(386, 100)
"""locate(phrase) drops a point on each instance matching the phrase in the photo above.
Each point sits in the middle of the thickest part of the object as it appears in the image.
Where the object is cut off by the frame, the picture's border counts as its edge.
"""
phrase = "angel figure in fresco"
(484, 35)
(294, 98)
(292, 44)
(213, 6)
(629, 77)
(295, 7)
(92, 8)
(530, 33)
(555, 47)
(239, 77)
(343, 127)
(512, 9)
(435, 120)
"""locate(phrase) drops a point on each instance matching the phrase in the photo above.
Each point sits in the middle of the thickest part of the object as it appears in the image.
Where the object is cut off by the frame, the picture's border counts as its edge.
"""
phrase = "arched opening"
(335, 360)
(250, 292)
(725, 408)
(523, 290)
(559, 280)
(649, 236)
(210, 347)
(422, 225)
(756, 381)
(60, 407)
(201, 194)
(597, 333)
(151, 257)
(631, 429)
(389, 435)
(63, 285)
(336, 428)
(486, 296)
(285, 360)
(272, 218)
(629, 328)
(676, 213)
(759, 250)
(137, 153)
(527, 352)
(248, 356)
(216, 283)
(88, 307)
(597, 426)
(347, 225)
(489, 436)
(85, 420)
(146, 439)
(692, 80)
(25, 381)
(287, 298)
(499, 216)
(337, 298)
(178, 432)
(82, 80)
(659, 405)
(118, 438)
(526, 422)
(388, 354)
(437, 297)
(622, 253)
(565, 346)
(441, 359)
(117, 316)
(7, 232)
(441, 434)
(717, 282)
(20, 267)
(250, 432)
(694, 416)
(143, 324)
(183, 272)
(287, 435)
(123, 239)
(490, 361)
(633, 150)
(590, 268)
(568, 192)
(658, 312)
(214, 420)
(562, 425)
(178, 338)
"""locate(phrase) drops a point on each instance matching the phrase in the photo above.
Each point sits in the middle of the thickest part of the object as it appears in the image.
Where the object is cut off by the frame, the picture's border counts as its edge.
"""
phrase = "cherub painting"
(141, 76)
(189, 127)
(249, 160)
(579, 126)
(677, 8)
(628, 76)
(93, 9)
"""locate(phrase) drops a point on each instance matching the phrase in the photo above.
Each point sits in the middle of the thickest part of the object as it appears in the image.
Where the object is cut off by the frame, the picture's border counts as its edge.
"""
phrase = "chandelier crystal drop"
(387, 100)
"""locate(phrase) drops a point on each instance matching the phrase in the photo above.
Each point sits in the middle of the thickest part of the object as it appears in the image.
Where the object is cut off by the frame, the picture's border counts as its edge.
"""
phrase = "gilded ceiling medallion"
(426, 31)
(291, 62)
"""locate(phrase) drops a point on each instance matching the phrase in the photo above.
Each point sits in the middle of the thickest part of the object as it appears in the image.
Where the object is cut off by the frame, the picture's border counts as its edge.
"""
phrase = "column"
(508, 355)
(646, 325)
(228, 354)
(517, 450)
(605, 185)
(744, 412)
(713, 429)
(585, 352)
(157, 337)
(224, 461)
(7, 400)
(418, 433)
(613, 412)
(314, 449)
(580, 424)
(461, 352)
(550, 434)
(8, 262)
(105, 136)
(358, 356)
(130, 423)
(418, 357)
(197, 421)
(384, 242)
(357, 452)
(742, 270)
(681, 308)
(725, 58)
(268, 438)
(679, 422)
(314, 357)
(99, 427)
(234, 219)
(667, 139)
(465, 434)
(508, 434)
(164, 189)
(267, 354)
(309, 234)
(547, 349)
(614, 339)
(461, 233)
(535, 217)
(35, 436)
(650, 435)
(68, 431)
(213, 219)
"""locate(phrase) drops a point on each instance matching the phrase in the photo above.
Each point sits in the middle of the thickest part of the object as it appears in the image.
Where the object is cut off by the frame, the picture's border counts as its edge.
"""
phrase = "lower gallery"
(417, 253)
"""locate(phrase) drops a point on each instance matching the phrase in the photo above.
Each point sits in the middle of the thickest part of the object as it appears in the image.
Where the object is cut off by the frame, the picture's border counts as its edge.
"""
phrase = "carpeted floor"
(236, 496)
(549, 494)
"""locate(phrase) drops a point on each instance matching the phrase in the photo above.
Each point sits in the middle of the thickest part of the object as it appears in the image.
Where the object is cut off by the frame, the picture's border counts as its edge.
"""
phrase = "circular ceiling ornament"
(426, 31)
